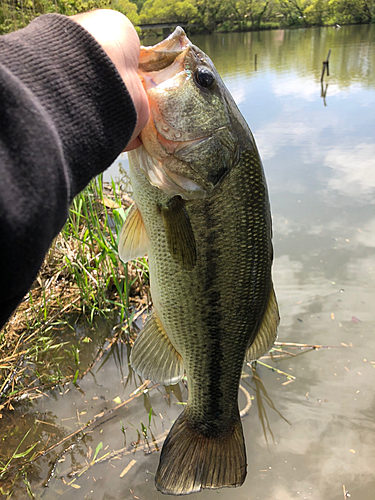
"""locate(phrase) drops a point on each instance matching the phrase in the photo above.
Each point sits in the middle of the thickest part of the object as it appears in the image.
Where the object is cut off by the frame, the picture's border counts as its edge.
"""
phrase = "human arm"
(65, 115)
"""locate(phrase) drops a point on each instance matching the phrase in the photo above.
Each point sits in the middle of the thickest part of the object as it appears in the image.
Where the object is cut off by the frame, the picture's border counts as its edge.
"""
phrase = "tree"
(128, 8)
(293, 11)
(16, 14)
(352, 11)
(169, 11)
(318, 12)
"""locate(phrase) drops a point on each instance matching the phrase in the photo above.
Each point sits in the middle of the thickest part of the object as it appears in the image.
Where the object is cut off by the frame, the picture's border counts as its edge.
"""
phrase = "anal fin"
(190, 461)
(133, 240)
(267, 332)
(153, 356)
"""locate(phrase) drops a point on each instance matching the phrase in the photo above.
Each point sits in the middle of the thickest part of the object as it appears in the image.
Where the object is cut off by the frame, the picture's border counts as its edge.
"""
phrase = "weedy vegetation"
(82, 279)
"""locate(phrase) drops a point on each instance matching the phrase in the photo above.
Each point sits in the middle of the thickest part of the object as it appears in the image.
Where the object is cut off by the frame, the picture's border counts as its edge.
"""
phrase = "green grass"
(82, 276)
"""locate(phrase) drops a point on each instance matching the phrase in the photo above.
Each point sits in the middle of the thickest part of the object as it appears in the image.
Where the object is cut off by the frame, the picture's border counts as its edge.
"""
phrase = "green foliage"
(139, 4)
(243, 15)
(215, 13)
(128, 8)
(353, 11)
(93, 260)
(16, 455)
(169, 11)
(16, 14)
(205, 15)
(318, 12)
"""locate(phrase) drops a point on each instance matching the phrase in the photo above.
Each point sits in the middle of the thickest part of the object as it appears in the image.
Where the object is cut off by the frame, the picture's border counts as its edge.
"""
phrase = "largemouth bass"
(202, 214)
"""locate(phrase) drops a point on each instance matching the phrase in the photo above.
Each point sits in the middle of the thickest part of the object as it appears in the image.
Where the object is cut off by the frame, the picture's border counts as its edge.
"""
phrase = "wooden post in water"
(255, 61)
(326, 65)
(323, 93)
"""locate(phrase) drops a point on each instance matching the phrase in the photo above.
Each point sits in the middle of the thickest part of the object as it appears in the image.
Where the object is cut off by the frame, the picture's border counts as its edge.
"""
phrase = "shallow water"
(318, 432)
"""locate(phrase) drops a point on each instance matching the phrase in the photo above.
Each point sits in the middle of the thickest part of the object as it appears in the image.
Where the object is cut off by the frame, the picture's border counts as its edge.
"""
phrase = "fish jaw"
(163, 53)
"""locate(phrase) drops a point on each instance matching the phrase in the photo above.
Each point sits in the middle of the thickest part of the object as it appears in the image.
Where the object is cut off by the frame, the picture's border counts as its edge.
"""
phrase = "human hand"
(117, 36)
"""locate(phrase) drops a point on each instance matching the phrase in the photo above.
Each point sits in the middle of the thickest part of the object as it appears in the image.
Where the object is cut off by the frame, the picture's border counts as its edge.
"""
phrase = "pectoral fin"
(180, 236)
(133, 240)
(153, 356)
(267, 332)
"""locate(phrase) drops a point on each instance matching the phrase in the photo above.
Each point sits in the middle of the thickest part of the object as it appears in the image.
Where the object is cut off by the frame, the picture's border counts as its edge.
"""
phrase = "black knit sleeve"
(65, 115)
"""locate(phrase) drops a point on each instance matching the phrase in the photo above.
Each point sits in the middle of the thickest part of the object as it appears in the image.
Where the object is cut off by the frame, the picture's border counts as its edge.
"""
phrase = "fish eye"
(204, 78)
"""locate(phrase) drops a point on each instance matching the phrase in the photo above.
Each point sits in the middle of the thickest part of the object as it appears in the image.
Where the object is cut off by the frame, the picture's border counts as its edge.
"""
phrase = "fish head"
(195, 132)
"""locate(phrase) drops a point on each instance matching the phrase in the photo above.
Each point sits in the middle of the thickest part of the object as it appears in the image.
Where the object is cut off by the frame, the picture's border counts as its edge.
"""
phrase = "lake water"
(314, 437)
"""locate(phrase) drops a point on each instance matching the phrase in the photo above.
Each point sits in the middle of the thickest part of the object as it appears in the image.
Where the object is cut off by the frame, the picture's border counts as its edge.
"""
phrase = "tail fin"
(190, 462)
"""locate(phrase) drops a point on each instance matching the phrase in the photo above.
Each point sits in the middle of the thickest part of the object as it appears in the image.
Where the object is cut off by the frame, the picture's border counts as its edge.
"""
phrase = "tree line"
(202, 15)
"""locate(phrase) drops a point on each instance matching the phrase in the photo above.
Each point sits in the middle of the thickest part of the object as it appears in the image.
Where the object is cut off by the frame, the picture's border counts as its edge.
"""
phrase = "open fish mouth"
(168, 73)
(163, 54)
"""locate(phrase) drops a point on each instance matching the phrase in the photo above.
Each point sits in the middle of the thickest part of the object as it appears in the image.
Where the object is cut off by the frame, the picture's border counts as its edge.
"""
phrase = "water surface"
(319, 156)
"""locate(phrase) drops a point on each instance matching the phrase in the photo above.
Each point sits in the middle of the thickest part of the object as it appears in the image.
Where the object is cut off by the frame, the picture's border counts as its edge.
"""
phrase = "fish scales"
(212, 313)
(212, 293)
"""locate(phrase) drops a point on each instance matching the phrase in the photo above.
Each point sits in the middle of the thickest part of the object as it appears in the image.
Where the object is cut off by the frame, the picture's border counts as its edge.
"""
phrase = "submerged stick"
(113, 341)
(272, 368)
(315, 346)
(246, 410)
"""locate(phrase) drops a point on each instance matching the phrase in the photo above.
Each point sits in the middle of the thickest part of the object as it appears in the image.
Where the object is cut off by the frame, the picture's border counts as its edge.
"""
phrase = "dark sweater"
(65, 115)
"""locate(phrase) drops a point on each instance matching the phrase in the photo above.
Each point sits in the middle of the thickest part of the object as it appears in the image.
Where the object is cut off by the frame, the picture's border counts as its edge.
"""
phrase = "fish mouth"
(163, 54)
(158, 65)
(164, 70)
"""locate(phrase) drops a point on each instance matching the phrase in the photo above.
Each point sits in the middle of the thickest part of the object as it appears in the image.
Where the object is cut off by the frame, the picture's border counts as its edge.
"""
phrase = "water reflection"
(319, 162)
(295, 51)
(353, 170)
